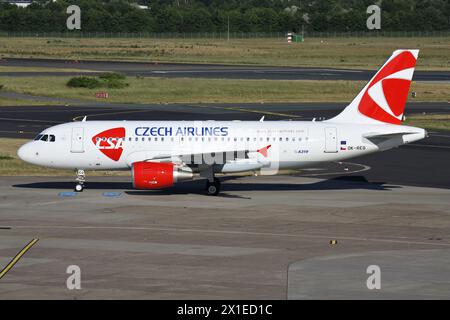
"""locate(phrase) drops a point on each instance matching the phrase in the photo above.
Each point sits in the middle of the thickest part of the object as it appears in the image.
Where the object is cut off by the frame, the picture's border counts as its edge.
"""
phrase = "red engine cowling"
(152, 175)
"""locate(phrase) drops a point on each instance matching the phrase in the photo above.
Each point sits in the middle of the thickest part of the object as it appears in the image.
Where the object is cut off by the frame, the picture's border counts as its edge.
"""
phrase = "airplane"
(162, 153)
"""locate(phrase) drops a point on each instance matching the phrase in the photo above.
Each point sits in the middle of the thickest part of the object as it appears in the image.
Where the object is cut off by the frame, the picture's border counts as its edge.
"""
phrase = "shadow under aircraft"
(194, 187)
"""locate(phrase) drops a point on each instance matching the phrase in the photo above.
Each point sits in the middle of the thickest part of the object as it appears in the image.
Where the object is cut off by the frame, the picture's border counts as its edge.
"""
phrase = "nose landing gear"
(81, 178)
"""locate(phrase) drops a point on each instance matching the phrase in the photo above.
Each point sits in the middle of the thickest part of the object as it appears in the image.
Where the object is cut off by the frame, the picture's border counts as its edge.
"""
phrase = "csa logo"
(110, 142)
(386, 95)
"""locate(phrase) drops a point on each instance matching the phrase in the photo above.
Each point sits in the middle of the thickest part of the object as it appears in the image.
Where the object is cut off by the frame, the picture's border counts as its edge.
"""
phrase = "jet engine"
(158, 175)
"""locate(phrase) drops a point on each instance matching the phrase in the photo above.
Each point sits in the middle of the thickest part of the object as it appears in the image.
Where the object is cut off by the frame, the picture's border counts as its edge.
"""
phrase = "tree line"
(219, 15)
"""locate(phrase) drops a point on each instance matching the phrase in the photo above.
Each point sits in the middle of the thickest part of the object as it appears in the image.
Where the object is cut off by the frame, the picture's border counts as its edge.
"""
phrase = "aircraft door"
(77, 140)
(331, 140)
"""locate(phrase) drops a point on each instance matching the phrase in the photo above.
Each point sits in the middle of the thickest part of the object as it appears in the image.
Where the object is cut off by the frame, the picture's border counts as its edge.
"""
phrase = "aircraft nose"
(24, 152)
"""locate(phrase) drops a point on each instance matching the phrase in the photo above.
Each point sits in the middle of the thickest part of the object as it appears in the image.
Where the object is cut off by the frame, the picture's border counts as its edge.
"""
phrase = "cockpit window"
(45, 137)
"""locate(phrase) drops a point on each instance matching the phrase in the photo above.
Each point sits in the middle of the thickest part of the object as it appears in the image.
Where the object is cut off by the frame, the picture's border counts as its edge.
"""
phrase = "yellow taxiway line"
(17, 258)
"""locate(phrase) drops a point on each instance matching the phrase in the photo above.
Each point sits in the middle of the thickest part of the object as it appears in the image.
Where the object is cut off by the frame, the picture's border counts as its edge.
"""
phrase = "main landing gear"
(213, 188)
(212, 183)
(81, 178)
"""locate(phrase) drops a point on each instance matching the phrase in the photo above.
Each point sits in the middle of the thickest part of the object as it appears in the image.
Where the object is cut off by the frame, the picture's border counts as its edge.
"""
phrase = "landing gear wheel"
(81, 178)
(213, 188)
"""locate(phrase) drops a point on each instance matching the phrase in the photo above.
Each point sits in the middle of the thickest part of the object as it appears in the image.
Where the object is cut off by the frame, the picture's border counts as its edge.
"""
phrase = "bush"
(1, 86)
(107, 80)
(84, 82)
(6, 157)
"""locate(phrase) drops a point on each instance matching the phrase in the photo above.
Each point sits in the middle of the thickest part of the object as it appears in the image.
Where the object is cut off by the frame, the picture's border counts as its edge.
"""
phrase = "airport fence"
(223, 35)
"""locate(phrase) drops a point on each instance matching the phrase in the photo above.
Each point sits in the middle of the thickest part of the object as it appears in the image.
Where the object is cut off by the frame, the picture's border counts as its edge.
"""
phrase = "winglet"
(264, 151)
(84, 119)
(262, 119)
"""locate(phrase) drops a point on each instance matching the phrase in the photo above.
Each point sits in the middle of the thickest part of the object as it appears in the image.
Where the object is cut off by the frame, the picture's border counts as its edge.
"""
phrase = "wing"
(212, 157)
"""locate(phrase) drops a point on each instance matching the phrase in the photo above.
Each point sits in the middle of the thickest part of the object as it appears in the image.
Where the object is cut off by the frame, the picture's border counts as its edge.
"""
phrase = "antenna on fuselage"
(262, 119)
(84, 119)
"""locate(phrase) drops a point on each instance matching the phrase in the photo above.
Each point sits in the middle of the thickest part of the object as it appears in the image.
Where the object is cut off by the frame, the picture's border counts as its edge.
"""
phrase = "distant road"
(210, 71)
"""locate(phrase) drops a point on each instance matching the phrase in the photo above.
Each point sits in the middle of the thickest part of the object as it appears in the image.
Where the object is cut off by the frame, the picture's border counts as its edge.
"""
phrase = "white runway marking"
(30, 120)
(399, 240)
(364, 168)
(428, 146)
(439, 135)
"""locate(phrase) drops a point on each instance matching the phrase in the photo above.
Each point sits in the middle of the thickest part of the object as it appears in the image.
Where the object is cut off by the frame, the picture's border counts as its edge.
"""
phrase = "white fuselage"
(116, 145)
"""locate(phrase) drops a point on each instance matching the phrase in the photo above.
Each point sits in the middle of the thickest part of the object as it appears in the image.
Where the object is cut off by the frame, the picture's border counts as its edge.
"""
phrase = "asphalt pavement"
(210, 71)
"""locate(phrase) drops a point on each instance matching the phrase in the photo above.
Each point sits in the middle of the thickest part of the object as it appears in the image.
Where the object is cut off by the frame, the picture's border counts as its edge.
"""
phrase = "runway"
(424, 163)
(262, 238)
(148, 69)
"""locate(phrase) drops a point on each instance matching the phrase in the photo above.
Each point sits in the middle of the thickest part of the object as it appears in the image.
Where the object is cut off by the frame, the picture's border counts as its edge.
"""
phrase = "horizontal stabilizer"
(378, 138)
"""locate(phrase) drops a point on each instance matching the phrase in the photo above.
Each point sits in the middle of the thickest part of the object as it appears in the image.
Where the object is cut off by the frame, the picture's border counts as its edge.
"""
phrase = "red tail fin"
(384, 97)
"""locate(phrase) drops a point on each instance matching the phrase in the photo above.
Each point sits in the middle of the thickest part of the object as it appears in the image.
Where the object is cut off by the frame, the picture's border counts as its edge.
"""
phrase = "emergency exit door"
(331, 140)
(77, 140)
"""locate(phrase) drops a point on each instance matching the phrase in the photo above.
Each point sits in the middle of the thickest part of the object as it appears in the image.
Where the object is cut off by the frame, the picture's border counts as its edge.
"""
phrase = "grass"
(183, 90)
(340, 52)
(23, 102)
(438, 122)
(11, 165)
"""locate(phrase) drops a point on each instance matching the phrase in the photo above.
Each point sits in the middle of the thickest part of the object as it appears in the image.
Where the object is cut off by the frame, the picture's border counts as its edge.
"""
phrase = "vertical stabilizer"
(384, 98)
